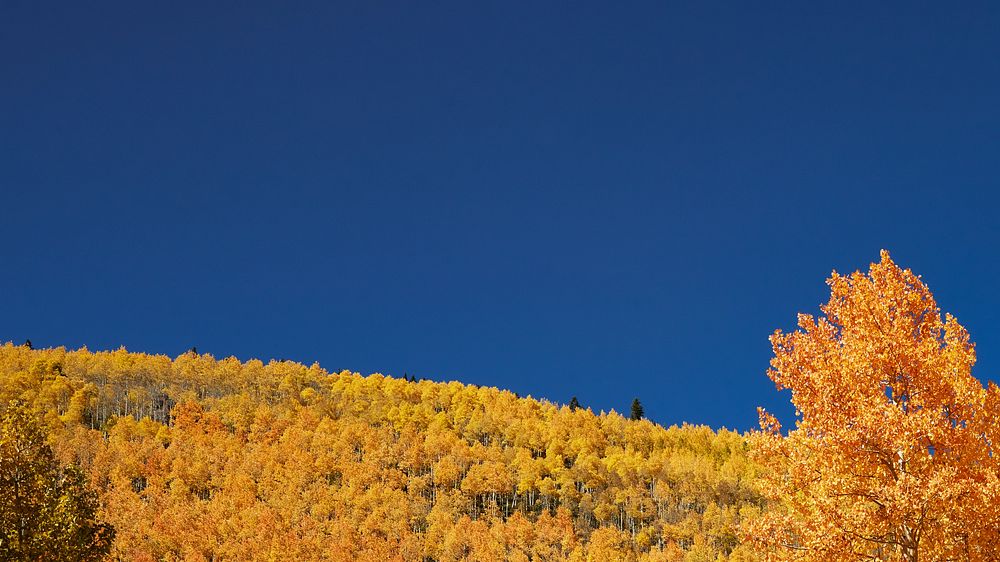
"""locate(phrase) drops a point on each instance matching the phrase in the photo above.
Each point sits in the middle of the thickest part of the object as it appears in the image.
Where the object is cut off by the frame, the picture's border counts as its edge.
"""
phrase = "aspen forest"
(195, 458)
(201, 459)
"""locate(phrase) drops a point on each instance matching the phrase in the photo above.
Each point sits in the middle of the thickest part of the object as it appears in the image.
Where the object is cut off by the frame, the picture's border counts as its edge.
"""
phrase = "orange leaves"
(768, 422)
(200, 459)
(891, 455)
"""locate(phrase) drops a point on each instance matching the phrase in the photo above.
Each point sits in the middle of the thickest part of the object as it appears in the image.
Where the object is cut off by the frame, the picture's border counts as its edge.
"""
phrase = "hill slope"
(202, 459)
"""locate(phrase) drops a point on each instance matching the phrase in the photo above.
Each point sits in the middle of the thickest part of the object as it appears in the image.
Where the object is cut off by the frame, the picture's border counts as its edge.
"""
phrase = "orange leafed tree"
(893, 455)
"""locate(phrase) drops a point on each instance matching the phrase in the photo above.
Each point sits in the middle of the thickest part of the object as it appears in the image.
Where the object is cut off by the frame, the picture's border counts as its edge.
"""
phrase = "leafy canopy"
(47, 513)
(892, 456)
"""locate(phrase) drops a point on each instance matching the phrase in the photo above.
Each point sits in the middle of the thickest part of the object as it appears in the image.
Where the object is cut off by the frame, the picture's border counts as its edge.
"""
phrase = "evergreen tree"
(574, 404)
(47, 512)
(637, 411)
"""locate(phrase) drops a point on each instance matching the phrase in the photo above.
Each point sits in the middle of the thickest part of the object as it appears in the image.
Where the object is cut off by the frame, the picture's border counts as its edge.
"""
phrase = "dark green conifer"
(637, 411)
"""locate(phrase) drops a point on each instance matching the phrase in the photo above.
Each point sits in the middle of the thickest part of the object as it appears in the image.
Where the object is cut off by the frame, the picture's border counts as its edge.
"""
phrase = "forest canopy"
(197, 458)
(892, 456)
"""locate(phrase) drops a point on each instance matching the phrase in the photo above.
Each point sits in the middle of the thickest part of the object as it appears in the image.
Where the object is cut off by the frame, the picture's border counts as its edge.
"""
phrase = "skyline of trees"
(195, 458)
(891, 458)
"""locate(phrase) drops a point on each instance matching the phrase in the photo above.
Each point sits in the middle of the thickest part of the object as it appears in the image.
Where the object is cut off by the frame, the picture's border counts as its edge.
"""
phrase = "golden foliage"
(892, 457)
(202, 459)
(47, 512)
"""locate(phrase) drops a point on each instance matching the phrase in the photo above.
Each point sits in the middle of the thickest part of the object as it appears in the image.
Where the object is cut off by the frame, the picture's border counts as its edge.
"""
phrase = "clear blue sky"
(557, 198)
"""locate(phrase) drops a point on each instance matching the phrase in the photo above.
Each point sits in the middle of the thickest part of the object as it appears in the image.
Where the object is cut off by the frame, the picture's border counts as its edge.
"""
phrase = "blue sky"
(589, 199)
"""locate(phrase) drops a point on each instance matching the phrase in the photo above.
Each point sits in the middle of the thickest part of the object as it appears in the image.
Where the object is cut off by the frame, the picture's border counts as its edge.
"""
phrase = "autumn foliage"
(47, 511)
(198, 459)
(893, 454)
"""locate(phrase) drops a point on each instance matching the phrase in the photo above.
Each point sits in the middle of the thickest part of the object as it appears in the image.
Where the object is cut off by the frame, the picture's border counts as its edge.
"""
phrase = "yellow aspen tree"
(889, 459)
(48, 512)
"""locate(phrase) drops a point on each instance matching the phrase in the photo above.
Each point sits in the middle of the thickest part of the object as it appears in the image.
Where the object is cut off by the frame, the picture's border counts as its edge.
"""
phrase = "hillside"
(196, 458)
